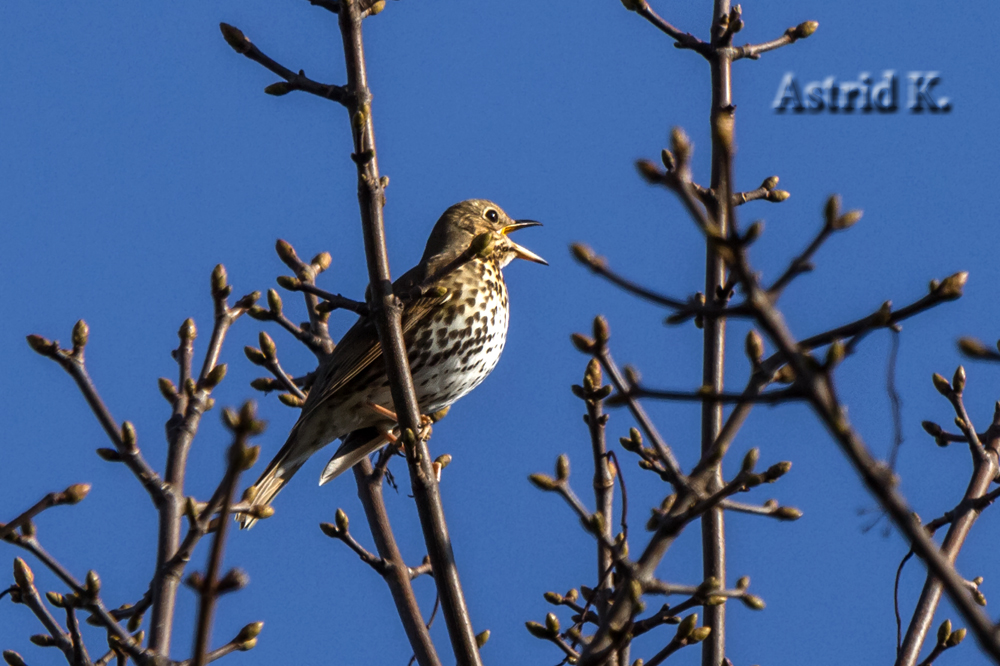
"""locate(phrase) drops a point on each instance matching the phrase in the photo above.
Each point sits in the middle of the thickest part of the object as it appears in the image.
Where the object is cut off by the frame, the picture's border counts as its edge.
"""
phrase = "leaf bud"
(956, 637)
(944, 631)
(552, 623)
(958, 381)
(235, 38)
(342, 521)
(81, 333)
(76, 493)
(686, 626)
(167, 389)
(55, 599)
(43, 640)
(482, 637)
(750, 460)
(699, 634)
(754, 232)
(13, 658)
(42, 345)
(93, 583)
(23, 575)
(803, 30)
(973, 348)
(941, 384)
(649, 171)
(743, 582)
(681, 145)
(754, 347)
(582, 253)
(214, 377)
(543, 481)
(601, 331)
(979, 597)
(267, 345)
(110, 455)
(562, 467)
(537, 630)
(769, 183)
(667, 158)
(330, 530)
(847, 220)
(752, 601)
(249, 632)
(219, 279)
(553, 598)
(831, 211)
(291, 400)
(835, 354)
(235, 579)
(951, 287)
(787, 513)
(777, 196)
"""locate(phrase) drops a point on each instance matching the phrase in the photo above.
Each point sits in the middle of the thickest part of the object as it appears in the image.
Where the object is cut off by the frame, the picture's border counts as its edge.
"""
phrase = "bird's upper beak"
(522, 252)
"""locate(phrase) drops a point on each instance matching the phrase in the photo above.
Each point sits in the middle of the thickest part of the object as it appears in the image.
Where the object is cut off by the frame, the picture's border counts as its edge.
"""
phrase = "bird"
(454, 322)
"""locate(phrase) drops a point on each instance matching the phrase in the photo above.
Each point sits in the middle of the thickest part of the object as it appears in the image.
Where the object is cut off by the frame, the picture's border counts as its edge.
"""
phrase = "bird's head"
(480, 226)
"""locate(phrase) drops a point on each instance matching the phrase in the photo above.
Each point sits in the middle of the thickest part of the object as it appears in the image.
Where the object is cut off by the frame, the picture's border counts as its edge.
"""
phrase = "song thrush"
(454, 326)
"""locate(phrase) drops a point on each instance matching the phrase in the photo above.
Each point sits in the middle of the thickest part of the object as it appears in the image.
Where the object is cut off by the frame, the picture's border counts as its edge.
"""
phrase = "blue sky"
(139, 151)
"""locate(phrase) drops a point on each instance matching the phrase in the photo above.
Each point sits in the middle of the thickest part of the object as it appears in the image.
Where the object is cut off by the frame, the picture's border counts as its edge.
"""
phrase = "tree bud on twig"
(956, 637)
(832, 209)
(93, 583)
(973, 348)
(75, 493)
(582, 343)
(214, 377)
(750, 460)
(754, 347)
(562, 467)
(249, 632)
(55, 599)
(167, 389)
(649, 172)
(330, 530)
(219, 279)
(681, 145)
(235, 38)
(23, 575)
(553, 598)
(110, 455)
(979, 597)
(235, 579)
(802, 30)
(278, 89)
(787, 513)
(81, 333)
(932, 429)
(537, 630)
(552, 623)
(753, 602)
(342, 522)
(43, 640)
(667, 158)
(543, 481)
(941, 384)
(958, 381)
(777, 196)
(951, 287)
(128, 436)
(13, 658)
(482, 637)
(41, 345)
(255, 355)
(267, 346)
(847, 220)
(769, 183)
(583, 254)
(602, 333)
(944, 631)
(701, 633)
(686, 626)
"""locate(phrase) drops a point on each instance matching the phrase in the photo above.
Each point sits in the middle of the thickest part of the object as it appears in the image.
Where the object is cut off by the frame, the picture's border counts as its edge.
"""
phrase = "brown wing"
(360, 348)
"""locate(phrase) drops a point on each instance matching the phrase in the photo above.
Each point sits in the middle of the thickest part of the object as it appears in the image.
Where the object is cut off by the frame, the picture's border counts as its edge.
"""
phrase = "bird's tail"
(278, 472)
(356, 446)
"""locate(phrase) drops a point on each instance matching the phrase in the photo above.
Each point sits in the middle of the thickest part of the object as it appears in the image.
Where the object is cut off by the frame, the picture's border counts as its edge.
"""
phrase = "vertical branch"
(712, 523)
(395, 573)
(386, 312)
(604, 483)
(923, 615)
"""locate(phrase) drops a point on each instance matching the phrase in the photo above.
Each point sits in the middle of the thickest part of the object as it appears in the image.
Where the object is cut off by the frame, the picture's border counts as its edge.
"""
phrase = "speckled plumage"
(454, 326)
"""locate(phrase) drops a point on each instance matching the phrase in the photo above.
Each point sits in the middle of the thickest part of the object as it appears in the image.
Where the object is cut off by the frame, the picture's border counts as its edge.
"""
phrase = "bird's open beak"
(521, 252)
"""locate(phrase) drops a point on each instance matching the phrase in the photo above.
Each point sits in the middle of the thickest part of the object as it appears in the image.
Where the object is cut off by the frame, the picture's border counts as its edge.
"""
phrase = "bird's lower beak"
(522, 252)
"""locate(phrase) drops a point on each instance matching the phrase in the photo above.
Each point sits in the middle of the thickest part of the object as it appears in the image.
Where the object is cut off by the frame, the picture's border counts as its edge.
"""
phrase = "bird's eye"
(492, 215)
